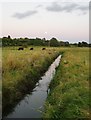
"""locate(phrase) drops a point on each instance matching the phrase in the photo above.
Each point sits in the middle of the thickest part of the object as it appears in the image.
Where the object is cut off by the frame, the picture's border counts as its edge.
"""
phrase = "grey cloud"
(83, 8)
(54, 7)
(24, 15)
(67, 7)
(38, 6)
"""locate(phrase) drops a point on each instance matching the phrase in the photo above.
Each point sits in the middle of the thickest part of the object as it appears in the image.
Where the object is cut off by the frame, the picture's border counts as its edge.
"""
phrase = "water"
(32, 105)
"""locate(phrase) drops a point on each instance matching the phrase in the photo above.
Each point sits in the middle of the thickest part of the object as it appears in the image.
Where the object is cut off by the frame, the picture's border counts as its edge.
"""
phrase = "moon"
(45, 32)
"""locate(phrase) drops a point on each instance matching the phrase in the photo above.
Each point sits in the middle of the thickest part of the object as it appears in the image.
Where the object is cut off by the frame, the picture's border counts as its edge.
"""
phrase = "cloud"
(83, 8)
(67, 7)
(24, 15)
(38, 6)
(54, 7)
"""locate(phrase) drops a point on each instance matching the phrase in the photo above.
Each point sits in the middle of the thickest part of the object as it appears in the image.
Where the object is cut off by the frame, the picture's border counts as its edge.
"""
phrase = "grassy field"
(0, 82)
(69, 89)
(22, 69)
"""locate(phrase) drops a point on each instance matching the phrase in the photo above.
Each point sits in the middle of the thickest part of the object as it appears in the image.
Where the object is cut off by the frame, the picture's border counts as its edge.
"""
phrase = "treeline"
(53, 42)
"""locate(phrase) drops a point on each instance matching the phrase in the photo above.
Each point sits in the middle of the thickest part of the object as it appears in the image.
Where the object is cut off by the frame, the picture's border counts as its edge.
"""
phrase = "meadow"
(0, 82)
(21, 70)
(69, 89)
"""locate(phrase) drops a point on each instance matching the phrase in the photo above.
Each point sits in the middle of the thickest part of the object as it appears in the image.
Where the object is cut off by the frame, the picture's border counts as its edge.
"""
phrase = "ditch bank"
(69, 89)
(11, 97)
(32, 105)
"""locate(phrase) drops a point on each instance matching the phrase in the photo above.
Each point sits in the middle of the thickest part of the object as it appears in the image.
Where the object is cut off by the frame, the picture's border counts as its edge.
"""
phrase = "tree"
(84, 44)
(9, 37)
(67, 44)
(54, 42)
(79, 44)
(62, 43)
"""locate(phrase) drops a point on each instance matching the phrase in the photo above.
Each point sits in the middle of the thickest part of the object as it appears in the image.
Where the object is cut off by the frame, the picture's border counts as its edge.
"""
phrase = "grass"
(0, 82)
(21, 70)
(69, 89)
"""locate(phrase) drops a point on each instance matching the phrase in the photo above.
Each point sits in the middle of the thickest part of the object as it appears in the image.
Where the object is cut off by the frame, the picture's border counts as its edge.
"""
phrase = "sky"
(62, 19)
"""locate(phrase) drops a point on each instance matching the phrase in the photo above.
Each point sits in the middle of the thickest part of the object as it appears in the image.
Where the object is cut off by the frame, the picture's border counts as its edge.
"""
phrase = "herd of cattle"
(22, 48)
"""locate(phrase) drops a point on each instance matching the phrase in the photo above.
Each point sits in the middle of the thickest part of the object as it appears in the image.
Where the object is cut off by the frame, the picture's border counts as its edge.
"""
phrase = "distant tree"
(84, 44)
(0, 42)
(8, 41)
(67, 44)
(62, 43)
(54, 42)
(9, 37)
(44, 41)
(90, 45)
(26, 38)
(38, 42)
(79, 44)
(38, 38)
(47, 43)
(74, 44)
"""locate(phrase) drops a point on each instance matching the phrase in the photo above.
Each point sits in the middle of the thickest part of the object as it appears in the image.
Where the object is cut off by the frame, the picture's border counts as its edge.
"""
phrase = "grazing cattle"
(21, 48)
(31, 48)
(50, 53)
(43, 48)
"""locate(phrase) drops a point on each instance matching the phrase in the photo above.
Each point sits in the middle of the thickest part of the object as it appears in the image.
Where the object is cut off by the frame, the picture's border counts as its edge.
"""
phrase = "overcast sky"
(63, 20)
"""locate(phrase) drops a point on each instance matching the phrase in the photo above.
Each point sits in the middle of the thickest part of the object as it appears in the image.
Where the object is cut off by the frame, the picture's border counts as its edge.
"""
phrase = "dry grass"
(22, 69)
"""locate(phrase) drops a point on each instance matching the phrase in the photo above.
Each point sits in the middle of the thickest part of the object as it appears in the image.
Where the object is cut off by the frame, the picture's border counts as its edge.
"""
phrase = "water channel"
(32, 105)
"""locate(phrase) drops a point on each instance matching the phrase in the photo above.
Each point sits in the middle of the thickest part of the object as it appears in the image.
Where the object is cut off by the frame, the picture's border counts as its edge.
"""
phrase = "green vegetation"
(53, 42)
(0, 82)
(0, 70)
(21, 70)
(69, 89)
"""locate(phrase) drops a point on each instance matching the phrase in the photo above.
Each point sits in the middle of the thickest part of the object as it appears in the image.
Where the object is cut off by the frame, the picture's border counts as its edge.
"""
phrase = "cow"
(50, 53)
(20, 48)
(43, 48)
(31, 48)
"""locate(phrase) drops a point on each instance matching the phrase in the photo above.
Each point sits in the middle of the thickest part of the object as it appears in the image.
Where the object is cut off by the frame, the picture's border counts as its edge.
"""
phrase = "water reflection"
(32, 105)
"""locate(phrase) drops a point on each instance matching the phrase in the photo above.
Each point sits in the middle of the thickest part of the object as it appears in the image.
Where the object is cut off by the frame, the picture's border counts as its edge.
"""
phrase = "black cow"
(43, 48)
(31, 48)
(20, 48)
(50, 53)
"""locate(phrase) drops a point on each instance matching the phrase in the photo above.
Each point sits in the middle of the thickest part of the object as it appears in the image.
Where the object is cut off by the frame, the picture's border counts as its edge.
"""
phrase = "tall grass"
(0, 82)
(69, 89)
(21, 70)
